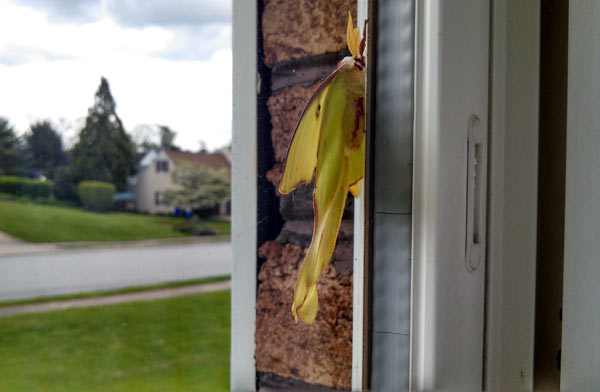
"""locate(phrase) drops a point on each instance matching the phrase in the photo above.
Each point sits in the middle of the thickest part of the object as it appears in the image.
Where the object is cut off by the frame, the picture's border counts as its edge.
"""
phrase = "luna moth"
(329, 140)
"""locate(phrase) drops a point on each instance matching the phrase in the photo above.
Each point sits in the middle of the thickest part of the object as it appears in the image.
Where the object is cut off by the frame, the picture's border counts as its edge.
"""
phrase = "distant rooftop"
(215, 160)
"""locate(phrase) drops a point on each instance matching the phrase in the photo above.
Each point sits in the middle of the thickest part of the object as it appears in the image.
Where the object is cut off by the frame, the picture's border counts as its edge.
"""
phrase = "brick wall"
(301, 43)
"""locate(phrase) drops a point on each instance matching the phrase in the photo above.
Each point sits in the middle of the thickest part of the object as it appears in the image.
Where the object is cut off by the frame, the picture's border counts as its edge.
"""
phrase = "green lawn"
(220, 227)
(179, 344)
(43, 223)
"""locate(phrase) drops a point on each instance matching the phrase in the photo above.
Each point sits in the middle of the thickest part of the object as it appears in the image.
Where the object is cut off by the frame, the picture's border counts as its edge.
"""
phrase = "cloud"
(74, 11)
(173, 74)
(139, 13)
(136, 13)
(191, 97)
(196, 43)
(181, 30)
(12, 55)
(26, 35)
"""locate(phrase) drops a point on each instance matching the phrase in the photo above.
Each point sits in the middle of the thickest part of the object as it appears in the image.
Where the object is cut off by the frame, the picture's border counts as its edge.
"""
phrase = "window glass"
(162, 166)
(115, 166)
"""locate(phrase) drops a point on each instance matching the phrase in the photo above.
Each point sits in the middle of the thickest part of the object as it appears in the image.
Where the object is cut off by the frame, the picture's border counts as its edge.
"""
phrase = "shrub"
(64, 186)
(20, 186)
(194, 226)
(96, 195)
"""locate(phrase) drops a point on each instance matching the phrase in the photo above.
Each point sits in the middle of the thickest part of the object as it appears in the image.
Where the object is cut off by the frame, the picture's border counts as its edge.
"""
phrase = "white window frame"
(358, 267)
(513, 95)
(244, 197)
(448, 300)
(512, 215)
(448, 336)
(580, 344)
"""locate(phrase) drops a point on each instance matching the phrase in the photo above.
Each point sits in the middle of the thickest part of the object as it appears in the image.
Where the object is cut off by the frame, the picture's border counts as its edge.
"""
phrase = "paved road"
(37, 275)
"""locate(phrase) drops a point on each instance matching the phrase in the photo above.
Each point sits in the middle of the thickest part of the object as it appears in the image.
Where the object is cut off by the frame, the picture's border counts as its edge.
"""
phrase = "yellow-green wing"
(356, 169)
(355, 144)
(339, 165)
(302, 152)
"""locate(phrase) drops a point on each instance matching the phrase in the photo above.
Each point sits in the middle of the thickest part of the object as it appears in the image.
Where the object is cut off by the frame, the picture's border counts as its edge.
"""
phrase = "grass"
(126, 290)
(43, 223)
(219, 226)
(178, 344)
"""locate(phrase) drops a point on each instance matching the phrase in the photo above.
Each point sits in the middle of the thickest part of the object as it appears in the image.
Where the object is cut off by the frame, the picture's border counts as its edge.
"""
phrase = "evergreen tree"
(104, 151)
(10, 149)
(44, 148)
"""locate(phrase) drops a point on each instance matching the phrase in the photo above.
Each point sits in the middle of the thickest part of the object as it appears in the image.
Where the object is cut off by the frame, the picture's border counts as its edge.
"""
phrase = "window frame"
(510, 116)
(162, 166)
(244, 196)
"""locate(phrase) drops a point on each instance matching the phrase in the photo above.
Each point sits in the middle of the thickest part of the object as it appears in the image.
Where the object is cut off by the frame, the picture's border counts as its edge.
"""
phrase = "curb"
(26, 248)
(143, 243)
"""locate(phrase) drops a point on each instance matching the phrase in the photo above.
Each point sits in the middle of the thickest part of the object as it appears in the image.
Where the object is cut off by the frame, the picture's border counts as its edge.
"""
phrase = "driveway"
(74, 271)
(12, 245)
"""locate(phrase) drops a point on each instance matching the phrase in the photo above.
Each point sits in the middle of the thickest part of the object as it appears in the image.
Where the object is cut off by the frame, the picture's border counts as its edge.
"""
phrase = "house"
(154, 176)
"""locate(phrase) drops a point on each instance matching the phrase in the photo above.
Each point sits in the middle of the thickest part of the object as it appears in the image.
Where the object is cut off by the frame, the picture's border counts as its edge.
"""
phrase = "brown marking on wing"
(355, 137)
(363, 41)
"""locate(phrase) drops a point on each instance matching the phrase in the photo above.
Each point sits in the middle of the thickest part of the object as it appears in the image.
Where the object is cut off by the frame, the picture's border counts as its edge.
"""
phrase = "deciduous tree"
(167, 137)
(201, 188)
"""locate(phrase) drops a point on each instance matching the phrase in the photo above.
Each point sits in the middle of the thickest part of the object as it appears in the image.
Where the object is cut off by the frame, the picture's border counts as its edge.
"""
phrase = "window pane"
(115, 256)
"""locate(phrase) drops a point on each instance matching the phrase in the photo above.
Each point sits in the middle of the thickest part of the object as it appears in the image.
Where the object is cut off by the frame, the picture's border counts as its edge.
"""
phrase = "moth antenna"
(363, 41)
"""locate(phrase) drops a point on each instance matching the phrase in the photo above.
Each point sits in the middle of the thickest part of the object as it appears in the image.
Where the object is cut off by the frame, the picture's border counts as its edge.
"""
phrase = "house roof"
(216, 161)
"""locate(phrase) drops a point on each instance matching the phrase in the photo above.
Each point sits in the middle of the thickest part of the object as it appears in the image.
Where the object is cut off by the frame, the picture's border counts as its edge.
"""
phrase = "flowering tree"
(200, 187)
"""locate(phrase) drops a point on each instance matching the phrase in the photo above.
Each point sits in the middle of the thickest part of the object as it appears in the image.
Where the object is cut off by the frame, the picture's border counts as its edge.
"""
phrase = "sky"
(168, 62)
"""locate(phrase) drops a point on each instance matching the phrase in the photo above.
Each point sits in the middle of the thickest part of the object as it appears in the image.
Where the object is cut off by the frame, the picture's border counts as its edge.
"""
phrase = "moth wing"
(302, 152)
(355, 189)
(356, 166)
(331, 189)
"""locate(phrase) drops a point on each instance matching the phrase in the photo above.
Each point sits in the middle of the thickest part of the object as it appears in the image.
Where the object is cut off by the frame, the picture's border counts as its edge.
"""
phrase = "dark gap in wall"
(551, 192)
(270, 382)
(268, 219)
(371, 126)
(305, 70)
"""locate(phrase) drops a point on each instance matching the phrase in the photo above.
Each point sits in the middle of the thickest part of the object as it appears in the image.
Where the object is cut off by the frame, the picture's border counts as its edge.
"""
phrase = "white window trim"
(358, 274)
(580, 343)
(509, 362)
(244, 197)
(451, 75)
(514, 91)
(424, 187)
(512, 215)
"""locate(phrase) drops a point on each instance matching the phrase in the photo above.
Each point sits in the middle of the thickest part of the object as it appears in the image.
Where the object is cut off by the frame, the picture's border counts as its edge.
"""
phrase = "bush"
(20, 186)
(194, 226)
(64, 186)
(96, 195)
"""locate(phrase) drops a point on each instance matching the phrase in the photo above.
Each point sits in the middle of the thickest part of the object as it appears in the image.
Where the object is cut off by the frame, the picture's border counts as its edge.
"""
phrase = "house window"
(159, 199)
(162, 166)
